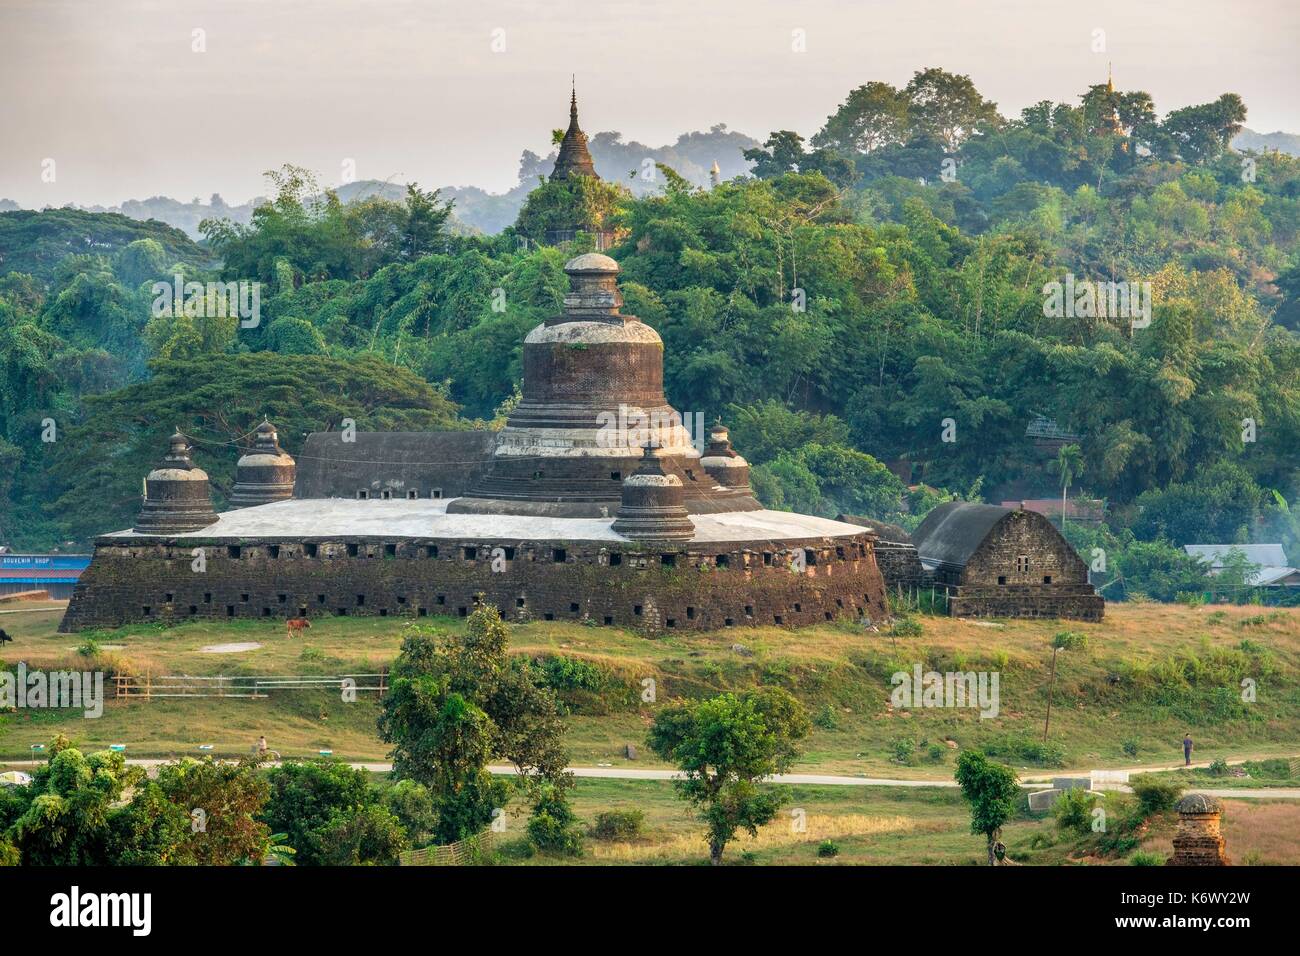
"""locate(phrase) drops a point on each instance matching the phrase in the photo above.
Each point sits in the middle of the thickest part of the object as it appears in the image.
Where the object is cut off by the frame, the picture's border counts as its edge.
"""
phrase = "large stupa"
(591, 504)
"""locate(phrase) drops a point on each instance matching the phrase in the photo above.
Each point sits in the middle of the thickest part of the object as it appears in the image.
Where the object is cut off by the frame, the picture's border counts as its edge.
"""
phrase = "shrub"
(88, 648)
(936, 752)
(618, 825)
(827, 849)
(551, 827)
(1146, 858)
(906, 627)
(1219, 768)
(1073, 811)
(903, 749)
(1156, 793)
(825, 718)
(1276, 769)
(1130, 747)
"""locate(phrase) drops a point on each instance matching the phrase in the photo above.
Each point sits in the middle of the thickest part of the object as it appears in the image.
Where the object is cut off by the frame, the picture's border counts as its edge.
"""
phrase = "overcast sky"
(114, 93)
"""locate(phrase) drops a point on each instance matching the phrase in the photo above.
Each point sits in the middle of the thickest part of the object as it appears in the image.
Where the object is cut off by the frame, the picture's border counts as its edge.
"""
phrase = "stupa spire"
(574, 158)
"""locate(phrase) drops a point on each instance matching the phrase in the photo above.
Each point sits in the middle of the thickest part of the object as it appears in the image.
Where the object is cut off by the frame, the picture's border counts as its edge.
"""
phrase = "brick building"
(591, 504)
(1004, 562)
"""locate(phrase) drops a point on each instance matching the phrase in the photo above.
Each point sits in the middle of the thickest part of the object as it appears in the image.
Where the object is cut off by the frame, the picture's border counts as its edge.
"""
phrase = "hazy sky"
(114, 93)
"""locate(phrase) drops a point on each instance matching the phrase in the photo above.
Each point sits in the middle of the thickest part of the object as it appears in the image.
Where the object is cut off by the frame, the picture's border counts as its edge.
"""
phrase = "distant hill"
(35, 241)
(1261, 142)
(478, 210)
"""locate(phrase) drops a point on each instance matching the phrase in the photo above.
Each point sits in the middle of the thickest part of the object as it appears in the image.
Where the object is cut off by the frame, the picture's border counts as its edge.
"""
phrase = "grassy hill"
(1150, 674)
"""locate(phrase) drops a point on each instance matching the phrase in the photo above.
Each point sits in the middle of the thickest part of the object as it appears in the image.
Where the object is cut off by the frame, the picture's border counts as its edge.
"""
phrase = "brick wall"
(653, 589)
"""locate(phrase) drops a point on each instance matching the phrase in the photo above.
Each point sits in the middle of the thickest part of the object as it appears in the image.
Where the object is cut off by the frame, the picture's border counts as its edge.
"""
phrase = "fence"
(149, 686)
(461, 853)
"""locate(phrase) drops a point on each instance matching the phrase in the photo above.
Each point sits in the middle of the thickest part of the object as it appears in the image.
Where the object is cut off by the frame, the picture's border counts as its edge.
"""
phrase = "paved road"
(634, 773)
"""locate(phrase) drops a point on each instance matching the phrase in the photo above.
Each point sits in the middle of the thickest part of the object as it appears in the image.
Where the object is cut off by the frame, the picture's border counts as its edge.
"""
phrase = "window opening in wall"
(436, 493)
(560, 555)
(412, 493)
(386, 494)
(1022, 563)
(266, 612)
(636, 609)
(549, 616)
(147, 610)
(1047, 579)
(361, 600)
(230, 610)
(608, 620)
(431, 551)
(615, 559)
(390, 550)
(243, 598)
(690, 614)
(422, 612)
(282, 598)
(767, 558)
(320, 599)
(722, 560)
(273, 551)
(574, 608)
(519, 602)
(749, 610)
(232, 551)
(616, 475)
(469, 553)
(668, 560)
(509, 553)
(167, 598)
(194, 609)
(728, 622)
(1002, 579)
(362, 494)
(778, 619)
(441, 599)
(671, 622)
(462, 612)
(353, 550)
(311, 550)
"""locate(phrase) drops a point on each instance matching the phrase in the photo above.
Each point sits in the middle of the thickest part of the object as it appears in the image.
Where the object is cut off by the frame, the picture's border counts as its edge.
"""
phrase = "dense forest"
(873, 295)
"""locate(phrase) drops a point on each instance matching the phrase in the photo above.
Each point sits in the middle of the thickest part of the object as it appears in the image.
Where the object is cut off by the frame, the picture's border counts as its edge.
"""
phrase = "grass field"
(887, 826)
(1150, 673)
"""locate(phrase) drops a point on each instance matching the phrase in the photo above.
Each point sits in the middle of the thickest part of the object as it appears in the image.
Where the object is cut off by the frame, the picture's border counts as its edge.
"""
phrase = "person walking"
(1187, 750)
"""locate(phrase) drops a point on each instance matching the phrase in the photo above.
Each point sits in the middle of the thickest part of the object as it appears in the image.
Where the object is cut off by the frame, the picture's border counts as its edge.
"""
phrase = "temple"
(593, 503)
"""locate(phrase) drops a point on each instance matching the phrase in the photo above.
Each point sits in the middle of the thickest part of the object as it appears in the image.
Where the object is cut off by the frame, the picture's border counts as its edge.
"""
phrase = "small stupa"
(177, 496)
(266, 473)
(653, 507)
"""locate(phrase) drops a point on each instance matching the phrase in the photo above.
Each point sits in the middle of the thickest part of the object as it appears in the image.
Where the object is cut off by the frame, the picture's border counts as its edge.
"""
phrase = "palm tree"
(1064, 641)
(1069, 461)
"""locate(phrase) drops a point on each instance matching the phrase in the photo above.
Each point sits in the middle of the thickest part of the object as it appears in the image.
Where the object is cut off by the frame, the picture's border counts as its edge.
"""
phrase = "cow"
(297, 625)
(4, 637)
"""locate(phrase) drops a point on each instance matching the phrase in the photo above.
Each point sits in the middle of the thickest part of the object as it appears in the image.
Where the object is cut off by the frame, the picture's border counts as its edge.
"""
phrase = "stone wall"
(1070, 601)
(652, 589)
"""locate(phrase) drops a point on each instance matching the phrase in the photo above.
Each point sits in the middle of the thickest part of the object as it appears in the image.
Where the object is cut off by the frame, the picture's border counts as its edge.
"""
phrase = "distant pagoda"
(574, 158)
(571, 165)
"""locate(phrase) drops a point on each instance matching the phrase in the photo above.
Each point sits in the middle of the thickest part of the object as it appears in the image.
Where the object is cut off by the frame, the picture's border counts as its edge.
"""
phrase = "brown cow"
(297, 625)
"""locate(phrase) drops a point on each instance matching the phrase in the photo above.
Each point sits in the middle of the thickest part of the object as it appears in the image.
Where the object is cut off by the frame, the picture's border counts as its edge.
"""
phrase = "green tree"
(725, 747)
(993, 793)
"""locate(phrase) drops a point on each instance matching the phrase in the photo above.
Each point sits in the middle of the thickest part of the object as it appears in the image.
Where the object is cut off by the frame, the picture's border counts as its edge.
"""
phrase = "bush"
(827, 849)
(1275, 769)
(906, 627)
(825, 718)
(1219, 768)
(903, 750)
(88, 648)
(551, 827)
(1073, 811)
(1130, 747)
(1146, 858)
(1156, 793)
(618, 825)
